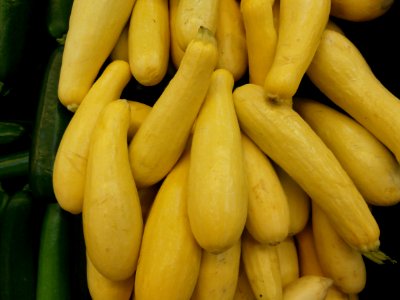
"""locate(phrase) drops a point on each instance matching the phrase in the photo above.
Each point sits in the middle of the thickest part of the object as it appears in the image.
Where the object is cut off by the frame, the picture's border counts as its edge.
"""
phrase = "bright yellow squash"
(217, 195)
(268, 210)
(218, 274)
(102, 288)
(139, 112)
(120, 50)
(340, 71)
(193, 14)
(170, 258)
(301, 24)
(148, 41)
(261, 37)
(307, 287)
(261, 264)
(357, 150)
(161, 139)
(288, 260)
(69, 169)
(111, 214)
(288, 140)
(94, 29)
(360, 10)
(231, 39)
(176, 52)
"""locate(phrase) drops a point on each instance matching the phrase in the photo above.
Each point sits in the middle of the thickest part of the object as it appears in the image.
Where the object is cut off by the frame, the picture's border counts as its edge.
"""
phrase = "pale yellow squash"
(94, 29)
(340, 71)
(120, 50)
(176, 52)
(69, 169)
(111, 214)
(139, 112)
(357, 150)
(261, 37)
(148, 41)
(268, 215)
(217, 189)
(161, 139)
(288, 140)
(301, 24)
(288, 260)
(218, 274)
(170, 258)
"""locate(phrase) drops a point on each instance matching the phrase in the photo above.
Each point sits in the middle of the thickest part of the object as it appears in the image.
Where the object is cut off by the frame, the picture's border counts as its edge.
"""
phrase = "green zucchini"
(18, 248)
(16, 17)
(51, 120)
(4, 197)
(10, 132)
(57, 19)
(14, 165)
(53, 280)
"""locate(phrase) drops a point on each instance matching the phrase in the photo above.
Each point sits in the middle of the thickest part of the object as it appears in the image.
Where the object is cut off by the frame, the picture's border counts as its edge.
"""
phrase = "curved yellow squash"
(341, 72)
(162, 137)
(69, 169)
(288, 140)
(94, 29)
(111, 214)
(360, 10)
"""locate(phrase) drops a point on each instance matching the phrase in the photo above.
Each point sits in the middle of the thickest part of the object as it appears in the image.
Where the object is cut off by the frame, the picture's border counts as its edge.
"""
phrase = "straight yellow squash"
(217, 188)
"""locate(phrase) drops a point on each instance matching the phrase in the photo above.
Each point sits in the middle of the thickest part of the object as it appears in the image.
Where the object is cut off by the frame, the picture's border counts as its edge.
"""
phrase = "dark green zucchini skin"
(10, 132)
(4, 198)
(51, 120)
(14, 166)
(19, 247)
(57, 19)
(53, 281)
(16, 18)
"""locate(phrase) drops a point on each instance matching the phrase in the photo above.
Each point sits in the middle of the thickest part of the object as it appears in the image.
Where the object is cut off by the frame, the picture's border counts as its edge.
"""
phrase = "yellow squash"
(218, 274)
(261, 37)
(176, 52)
(193, 14)
(360, 10)
(261, 264)
(338, 260)
(357, 150)
(288, 140)
(268, 215)
(161, 139)
(298, 201)
(94, 29)
(231, 39)
(170, 258)
(148, 41)
(243, 288)
(111, 214)
(120, 50)
(301, 24)
(307, 287)
(102, 288)
(217, 194)
(340, 71)
(288, 260)
(139, 112)
(69, 169)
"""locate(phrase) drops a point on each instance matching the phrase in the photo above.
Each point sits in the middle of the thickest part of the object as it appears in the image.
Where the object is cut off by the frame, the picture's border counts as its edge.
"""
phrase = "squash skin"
(360, 10)
(339, 70)
(111, 215)
(217, 187)
(162, 137)
(288, 140)
(170, 258)
(94, 29)
(70, 162)
(301, 24)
